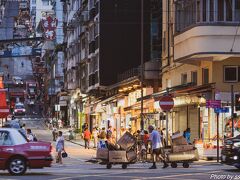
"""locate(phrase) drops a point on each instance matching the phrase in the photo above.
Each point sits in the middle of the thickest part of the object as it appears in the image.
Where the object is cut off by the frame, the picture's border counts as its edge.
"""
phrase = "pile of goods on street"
(123, 152)
(181, 151)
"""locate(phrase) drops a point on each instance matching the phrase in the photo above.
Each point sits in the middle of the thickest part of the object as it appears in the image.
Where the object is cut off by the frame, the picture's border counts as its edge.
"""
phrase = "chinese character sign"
(49, 25)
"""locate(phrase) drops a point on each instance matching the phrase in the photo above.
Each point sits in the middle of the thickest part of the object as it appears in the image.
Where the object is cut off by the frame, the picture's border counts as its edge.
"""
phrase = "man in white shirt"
(157, 147)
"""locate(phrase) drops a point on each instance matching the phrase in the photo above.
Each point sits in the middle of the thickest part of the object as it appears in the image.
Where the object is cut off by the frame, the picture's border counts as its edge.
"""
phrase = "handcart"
(123, 152)
(181, 152)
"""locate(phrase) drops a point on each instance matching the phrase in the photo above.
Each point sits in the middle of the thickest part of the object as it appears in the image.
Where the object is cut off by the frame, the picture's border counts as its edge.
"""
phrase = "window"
(205, 76)
(211, 10)
(33, 1)
(5, 139)
(204, 4)
(83, 43)
(190, 12)
(45, 2)
(184, 78)
(198, 11)
(220, 10)
(237, 10)
(230, 74)
(229, 10)
(194, 77)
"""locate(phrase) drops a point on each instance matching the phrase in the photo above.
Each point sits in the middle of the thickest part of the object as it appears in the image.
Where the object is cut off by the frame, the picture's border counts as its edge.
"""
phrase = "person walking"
(60, 147)
(87, 137)
(157, 149)
(54, 133)
(95, 137)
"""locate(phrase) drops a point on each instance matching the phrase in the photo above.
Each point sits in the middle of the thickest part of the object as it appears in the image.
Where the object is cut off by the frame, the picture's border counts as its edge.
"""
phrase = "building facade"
(200, 60)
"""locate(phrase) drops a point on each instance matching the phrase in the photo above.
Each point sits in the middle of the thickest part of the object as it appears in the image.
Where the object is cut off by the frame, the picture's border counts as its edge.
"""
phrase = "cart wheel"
(174, 165)
(124, 166)
(109, 166)
(185, 165)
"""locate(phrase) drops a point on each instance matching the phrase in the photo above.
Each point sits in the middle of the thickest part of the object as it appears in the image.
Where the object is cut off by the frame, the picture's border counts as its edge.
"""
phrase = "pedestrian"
(102, 134)
(54, 133)
(87, 137)
(95, 137)
(187, 135)
(109, 132)
(60, 147)
(24, 129)
(157, 149)
(163, 135)
(146, 139)
(30, 136)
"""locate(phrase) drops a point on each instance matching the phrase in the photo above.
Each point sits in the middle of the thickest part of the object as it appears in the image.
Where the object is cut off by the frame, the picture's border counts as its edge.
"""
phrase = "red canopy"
(4, 110)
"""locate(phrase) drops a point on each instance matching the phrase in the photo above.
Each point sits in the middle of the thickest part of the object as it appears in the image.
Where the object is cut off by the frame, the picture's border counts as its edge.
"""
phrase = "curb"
(79, 144)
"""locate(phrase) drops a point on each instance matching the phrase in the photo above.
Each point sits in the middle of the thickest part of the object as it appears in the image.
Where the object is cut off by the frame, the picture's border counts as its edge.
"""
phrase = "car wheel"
(124, 166)
(174, 165)
(109, 166)
(17, 166)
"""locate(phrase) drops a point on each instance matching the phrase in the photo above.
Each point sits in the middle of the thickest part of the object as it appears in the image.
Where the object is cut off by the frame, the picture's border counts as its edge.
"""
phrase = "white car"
(17, 80)
(19, 109)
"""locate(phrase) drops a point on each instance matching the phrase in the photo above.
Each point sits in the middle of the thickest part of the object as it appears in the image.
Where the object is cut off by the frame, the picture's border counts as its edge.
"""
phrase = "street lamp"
(142, 63)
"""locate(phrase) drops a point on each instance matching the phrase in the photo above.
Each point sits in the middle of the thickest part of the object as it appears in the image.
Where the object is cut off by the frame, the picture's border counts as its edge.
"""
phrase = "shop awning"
(186, 89)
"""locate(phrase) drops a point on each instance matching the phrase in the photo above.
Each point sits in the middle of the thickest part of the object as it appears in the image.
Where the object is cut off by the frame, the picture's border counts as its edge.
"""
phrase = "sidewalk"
(79, 141)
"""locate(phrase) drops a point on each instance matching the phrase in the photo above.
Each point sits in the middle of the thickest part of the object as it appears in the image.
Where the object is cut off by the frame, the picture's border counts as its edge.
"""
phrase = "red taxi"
(17, 154)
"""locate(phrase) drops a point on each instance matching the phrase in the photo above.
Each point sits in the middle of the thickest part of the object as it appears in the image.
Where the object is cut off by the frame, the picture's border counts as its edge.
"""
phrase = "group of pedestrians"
(28, 133)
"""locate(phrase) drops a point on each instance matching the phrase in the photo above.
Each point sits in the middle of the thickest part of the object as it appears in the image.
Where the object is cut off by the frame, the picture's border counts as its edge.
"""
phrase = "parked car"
(231, 152)
(19, 109)
(17, 154)
(17, 80)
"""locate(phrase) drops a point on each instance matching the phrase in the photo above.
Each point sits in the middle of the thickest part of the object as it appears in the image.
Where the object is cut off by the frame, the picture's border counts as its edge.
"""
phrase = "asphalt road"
(75, 167)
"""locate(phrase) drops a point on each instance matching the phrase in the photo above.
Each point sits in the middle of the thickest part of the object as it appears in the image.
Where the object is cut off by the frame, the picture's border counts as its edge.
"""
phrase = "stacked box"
(182, 148)
(184, 156)
(102, 153)
(126, 141)
(117, 157)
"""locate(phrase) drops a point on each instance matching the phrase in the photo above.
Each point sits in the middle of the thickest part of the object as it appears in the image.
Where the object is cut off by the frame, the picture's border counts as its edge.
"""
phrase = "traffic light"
(237, 102)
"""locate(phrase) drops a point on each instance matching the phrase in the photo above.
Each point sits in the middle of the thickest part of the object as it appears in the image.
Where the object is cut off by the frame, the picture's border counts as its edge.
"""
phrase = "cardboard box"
(182, 148)
(102, 153)
(184, 156)
(180, 140)
(126, 141)
(117, 157)
(131, 156)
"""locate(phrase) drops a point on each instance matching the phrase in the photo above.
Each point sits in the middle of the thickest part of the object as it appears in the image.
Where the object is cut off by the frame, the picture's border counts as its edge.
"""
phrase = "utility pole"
(232, 107)
(142, 61)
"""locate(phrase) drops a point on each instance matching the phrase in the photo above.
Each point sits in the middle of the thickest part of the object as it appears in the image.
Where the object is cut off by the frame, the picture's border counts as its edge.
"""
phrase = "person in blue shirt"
(187, 135)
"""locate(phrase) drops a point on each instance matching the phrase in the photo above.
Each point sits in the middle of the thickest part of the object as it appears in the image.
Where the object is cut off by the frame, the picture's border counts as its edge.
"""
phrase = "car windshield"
(31, 90)
(19, 106)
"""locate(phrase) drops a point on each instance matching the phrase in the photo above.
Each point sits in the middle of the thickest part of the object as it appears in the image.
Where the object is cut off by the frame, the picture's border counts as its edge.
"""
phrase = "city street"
(76, 167)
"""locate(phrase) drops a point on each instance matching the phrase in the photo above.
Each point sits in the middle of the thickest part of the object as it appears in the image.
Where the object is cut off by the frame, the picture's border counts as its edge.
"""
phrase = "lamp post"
(142, 62)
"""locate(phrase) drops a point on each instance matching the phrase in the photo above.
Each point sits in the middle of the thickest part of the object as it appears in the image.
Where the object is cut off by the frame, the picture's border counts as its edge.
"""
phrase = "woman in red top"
(87, 137)
(145, 139)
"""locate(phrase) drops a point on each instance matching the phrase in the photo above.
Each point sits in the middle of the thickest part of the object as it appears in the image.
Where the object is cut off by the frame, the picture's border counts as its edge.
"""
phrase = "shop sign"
(213, 104)
(221, 110)
(63, 103)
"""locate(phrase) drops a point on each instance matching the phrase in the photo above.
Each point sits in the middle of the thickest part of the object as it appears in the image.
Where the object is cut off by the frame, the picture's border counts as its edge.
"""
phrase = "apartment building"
(200, 62)
(103, 44)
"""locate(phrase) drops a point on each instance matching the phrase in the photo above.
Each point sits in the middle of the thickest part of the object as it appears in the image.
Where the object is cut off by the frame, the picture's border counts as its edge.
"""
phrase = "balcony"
(206, 42)
(128, 74)
(208, 33)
